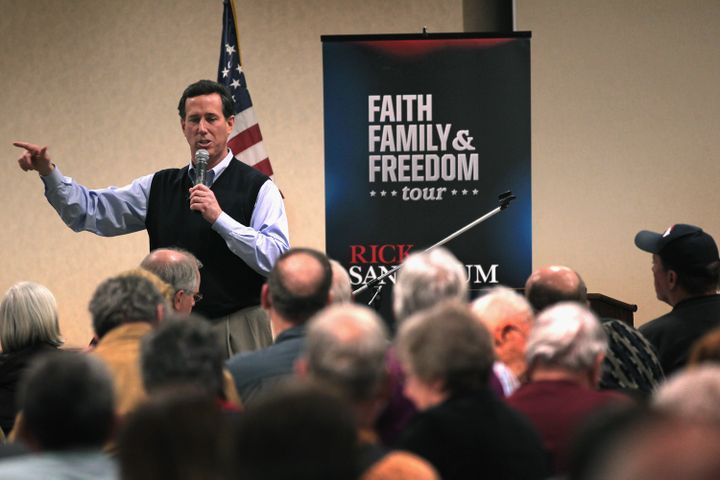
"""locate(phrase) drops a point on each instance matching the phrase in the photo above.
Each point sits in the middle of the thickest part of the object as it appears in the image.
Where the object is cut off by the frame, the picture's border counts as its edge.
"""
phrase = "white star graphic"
(225, 72)
(475, 191)
(393, 193)
(372, 193)
(230, 49)
(383, 193)
(239, 69)
(235, 83)
(464, 192)
(453, 191)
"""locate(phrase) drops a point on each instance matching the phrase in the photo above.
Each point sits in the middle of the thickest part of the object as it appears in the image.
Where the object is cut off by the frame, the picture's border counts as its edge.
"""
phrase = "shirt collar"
(217, 170)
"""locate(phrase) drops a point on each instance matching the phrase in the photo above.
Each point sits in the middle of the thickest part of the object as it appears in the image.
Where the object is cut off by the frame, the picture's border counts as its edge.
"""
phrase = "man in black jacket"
(686, 270)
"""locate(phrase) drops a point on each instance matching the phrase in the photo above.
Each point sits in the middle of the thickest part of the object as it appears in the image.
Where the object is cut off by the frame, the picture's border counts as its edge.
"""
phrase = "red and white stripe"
(247, 144)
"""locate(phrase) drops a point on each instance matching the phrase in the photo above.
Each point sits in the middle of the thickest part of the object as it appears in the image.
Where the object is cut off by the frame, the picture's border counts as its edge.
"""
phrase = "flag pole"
(237, 30)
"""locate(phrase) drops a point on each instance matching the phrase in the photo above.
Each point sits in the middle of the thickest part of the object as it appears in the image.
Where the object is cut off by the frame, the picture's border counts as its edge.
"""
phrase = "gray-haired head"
(501, 304)
(28, 316)
(446, 344)
(425, 279)
(67, 402)
(341, 288)
(345, 347)
(183, 351)
(509, 318)
(181, 270)
(124, 299)
(566, 336)
(176, 266)
(692, 394)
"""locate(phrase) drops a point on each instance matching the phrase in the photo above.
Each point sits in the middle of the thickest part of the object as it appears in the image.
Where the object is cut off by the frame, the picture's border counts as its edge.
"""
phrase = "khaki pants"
(245, 330)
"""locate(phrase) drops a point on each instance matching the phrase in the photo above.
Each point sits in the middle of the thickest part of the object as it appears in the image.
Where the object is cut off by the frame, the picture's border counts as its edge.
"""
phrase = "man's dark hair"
(299, 431)
(293, 306)
(207, 87)
(183, 351)
(67, 401)
(697, 280)
(124, 299)
(542, 294)
(180, 434)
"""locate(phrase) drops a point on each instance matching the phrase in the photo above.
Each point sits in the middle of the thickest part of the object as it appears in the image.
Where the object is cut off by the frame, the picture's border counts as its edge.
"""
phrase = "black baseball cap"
(685, 247)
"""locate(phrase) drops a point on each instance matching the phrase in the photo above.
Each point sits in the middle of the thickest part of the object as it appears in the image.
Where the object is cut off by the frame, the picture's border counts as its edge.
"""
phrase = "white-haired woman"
(28, 327)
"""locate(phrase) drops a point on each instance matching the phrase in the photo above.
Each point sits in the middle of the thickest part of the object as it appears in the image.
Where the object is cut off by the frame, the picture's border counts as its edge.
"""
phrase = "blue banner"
(422, 133)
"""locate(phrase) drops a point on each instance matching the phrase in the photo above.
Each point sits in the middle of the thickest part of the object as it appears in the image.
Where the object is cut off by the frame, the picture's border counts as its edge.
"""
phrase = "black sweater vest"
(227, 283)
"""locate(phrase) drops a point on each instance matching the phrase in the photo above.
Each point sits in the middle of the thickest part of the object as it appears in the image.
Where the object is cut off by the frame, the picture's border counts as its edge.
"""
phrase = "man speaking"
(233, 221)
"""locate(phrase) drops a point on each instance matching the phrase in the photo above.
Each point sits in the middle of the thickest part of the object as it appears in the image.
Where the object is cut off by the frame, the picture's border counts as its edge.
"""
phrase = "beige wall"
(625, 123)
(624, 103)
(99, 81)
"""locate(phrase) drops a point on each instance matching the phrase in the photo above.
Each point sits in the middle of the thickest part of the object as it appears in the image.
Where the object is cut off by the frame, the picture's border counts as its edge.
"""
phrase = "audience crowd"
(500, 384)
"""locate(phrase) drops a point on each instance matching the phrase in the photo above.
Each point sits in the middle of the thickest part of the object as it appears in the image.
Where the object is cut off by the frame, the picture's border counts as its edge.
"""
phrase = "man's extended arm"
(115, 211)
(107, 212)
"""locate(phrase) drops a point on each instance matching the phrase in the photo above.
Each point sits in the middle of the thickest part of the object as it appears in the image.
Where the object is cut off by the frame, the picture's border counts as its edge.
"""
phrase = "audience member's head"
(568, 338)
(298, 286)
(345, 348)
(28, 317)
(662, 448)
(178, 434)
(341, 289)
(554, 284)
(445, 353)
(67, 403)
(183, 351)
(692, 394)
(706, 349)
(125, 299)
(685, 262)
(598, 434)
(181, 270)
(508, 317)
(425, 279)
(164, 288)
(297, 432)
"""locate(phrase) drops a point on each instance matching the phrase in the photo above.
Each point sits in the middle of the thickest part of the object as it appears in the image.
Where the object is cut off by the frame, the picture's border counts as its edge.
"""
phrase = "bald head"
(175, 266)
(299, 284)
(181, 270)
(553, 284)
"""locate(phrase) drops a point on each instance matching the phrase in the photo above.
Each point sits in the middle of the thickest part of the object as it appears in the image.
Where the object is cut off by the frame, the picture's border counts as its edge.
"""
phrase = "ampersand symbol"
(462, 141)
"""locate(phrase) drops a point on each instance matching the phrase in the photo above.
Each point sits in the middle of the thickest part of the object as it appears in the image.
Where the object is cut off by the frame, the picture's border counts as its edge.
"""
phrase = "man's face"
(660, 278)
(184, 300)
(205, 126)
(510, 341)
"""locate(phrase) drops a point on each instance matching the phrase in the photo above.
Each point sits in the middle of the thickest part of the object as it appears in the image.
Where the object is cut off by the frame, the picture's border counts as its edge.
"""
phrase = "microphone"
(201, 162)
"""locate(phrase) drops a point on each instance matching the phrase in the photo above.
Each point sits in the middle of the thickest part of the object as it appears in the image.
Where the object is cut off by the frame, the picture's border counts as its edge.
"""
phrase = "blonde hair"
(163, 287)
(28, 316)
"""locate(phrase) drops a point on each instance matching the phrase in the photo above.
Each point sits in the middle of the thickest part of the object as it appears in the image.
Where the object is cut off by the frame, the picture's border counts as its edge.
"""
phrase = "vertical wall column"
(488, 15)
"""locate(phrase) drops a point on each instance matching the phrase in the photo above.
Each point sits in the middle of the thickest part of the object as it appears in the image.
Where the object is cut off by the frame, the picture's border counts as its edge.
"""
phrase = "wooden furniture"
(605, 306)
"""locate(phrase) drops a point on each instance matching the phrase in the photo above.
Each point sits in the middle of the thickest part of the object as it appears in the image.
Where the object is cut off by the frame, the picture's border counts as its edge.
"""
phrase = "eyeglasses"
(196, 296)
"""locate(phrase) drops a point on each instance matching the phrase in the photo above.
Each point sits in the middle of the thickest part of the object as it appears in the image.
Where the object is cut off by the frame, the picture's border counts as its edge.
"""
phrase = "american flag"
(245, 139)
